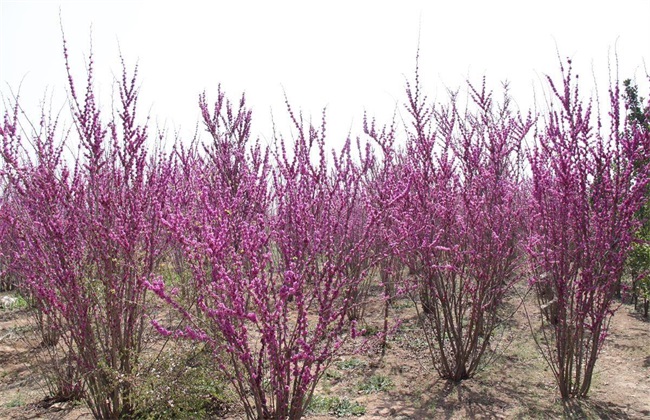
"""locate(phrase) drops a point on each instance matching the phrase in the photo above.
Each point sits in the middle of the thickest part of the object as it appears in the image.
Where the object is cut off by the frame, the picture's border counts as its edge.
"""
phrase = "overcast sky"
(348, 56)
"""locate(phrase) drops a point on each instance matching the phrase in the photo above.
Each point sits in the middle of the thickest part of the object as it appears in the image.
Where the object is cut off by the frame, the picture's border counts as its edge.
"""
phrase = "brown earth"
(403, 384)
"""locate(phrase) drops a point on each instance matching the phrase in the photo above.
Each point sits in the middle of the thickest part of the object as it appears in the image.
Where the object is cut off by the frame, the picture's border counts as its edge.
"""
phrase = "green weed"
(376, 383)
(339, 407)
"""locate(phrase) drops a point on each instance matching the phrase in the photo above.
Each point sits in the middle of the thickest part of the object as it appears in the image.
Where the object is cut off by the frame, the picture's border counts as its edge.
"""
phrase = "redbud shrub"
(461, 220)
(86, 234)
(271, 250)
(587, 188)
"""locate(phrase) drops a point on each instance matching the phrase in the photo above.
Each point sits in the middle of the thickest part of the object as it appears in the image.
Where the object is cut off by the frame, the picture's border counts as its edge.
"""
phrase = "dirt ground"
(403, 384)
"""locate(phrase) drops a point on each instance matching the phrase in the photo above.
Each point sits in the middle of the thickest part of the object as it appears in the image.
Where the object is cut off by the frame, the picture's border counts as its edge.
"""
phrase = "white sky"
(349, 56)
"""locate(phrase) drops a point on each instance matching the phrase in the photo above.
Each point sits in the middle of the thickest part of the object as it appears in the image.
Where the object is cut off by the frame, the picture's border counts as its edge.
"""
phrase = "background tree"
(638, 116)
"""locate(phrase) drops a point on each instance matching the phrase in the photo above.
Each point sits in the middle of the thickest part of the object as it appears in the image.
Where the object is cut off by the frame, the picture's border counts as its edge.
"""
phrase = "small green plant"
(347, 408)
(403, 304)
(350, 364)
(370, 330)
(13, 302)
(376, 383)
(339, 407)
(333, 374)
(17, 401)
(320, 405)
(21, 303)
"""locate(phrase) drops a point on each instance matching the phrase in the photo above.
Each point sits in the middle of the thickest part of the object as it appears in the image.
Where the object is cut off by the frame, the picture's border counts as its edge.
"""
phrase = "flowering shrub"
(318, 236)
(7, 280)
(387, 182)
(86, 237)
(461, 220)
(270, 253)
(586, 190)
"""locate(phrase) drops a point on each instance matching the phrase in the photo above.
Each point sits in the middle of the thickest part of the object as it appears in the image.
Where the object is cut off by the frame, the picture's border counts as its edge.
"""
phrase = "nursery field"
(403, 384)
(466, 265)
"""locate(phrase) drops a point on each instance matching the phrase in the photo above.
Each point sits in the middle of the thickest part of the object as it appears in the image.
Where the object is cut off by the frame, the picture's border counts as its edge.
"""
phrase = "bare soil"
(403, 384)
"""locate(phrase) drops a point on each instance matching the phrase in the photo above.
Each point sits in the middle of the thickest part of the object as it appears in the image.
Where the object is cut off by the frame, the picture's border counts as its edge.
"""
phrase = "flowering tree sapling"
(461, 220)
(358, 266)
(7, 245)
(5, 281)
(387, 182)
(89, 236)
(322, 224)
(585, 194)
(361, 227)
(219, 220)
(42, 240)
(8, 240)
(214, 172)
(269, 253)
(126, 197)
